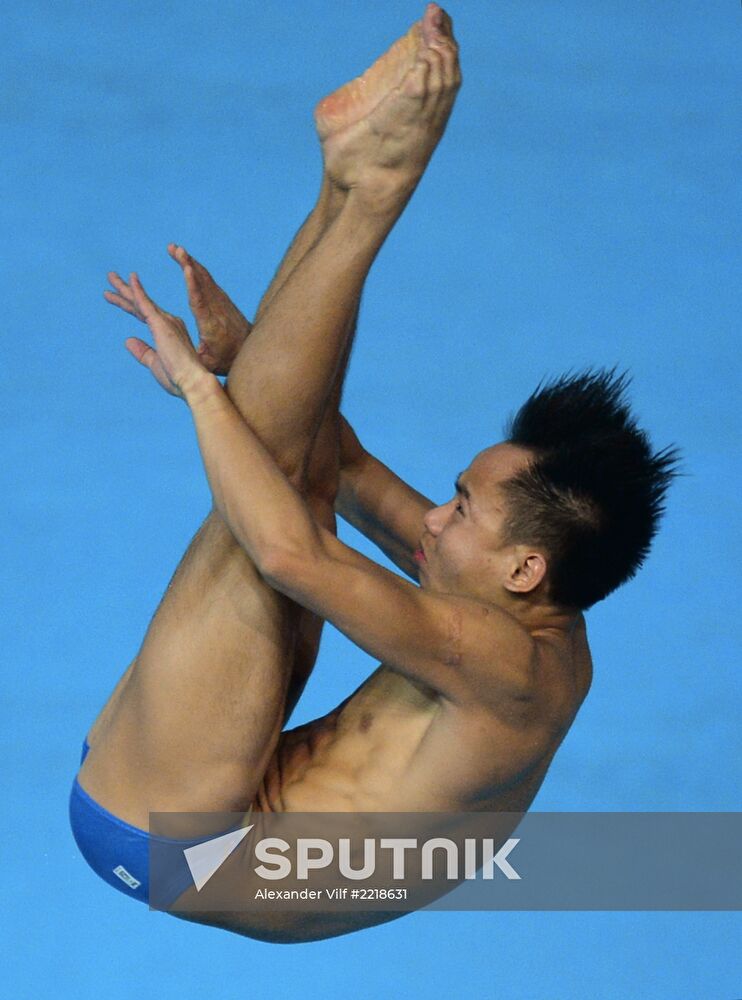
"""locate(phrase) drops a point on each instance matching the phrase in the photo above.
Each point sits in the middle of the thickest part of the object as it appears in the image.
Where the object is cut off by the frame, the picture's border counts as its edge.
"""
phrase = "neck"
(535, 615)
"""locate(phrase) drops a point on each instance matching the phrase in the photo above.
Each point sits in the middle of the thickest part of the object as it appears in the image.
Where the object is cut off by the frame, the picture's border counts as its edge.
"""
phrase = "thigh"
(194, 722)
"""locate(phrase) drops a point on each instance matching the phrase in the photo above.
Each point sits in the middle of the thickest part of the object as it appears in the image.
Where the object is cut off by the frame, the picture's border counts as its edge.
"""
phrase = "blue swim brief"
(120, 853)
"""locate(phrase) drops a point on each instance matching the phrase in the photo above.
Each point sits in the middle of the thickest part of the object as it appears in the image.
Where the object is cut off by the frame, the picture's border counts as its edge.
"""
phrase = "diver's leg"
(222, 330)
(195, 723)
(197, 719)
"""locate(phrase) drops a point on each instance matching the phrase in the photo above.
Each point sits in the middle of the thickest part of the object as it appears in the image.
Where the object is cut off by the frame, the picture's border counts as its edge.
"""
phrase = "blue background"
(582, 209)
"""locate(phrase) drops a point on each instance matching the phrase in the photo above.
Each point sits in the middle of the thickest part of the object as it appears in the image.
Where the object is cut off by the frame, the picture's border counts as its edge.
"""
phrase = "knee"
(312, 478)
(317, 486)
(323, 512)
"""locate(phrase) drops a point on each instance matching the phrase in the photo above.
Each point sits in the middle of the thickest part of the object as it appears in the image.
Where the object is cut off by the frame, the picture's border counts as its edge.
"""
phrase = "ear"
(526, 571)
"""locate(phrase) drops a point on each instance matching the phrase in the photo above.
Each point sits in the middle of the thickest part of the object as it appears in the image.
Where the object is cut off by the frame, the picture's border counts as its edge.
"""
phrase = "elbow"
(288, 569)
(276, 565)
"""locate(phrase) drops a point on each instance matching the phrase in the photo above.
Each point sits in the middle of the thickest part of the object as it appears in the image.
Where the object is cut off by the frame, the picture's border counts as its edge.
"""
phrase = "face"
(462, 549)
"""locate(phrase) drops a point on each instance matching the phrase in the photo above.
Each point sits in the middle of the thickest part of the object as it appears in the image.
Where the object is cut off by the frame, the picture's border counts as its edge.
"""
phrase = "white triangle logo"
(204, 859)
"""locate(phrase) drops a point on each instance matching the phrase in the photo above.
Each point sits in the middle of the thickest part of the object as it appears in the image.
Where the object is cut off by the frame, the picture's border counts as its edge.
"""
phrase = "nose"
(436, 518)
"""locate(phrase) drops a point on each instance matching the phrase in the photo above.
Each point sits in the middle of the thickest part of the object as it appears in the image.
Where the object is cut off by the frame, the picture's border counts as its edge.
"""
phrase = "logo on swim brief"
(126, 877)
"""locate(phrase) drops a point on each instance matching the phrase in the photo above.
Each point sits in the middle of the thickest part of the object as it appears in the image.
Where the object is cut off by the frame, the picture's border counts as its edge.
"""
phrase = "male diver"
(484, 657)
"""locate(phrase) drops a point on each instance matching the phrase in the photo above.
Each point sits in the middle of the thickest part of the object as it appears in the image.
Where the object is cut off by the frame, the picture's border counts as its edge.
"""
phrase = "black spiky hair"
(595, 491)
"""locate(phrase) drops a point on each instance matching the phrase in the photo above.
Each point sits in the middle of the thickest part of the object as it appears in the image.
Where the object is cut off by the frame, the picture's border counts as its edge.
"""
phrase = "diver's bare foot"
(382, 127)
(221, 326)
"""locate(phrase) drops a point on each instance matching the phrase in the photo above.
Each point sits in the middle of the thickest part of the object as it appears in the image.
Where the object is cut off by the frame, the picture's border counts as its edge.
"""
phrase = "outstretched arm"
(460, 648)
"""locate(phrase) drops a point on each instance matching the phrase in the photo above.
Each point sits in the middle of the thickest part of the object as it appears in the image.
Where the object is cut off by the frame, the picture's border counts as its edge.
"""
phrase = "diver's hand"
(173, 360)
(222, 329)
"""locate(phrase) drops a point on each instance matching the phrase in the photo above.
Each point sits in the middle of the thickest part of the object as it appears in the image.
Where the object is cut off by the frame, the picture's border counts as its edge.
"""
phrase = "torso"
(396, 746)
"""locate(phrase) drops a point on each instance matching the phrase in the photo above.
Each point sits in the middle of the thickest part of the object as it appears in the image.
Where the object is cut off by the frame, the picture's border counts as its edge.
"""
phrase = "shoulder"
(529, 677)
(562, 671)
(495, 656)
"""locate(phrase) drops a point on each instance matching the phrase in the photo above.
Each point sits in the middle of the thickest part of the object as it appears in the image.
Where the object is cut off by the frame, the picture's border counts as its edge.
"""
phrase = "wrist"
(202, 389)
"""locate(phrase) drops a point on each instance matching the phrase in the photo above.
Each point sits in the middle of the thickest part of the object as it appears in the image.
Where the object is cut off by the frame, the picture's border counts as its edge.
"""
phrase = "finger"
(189, 261)
(160, 322)
(118, 300)
(189, 267)
(170, 332)
(118, 282)
(148, 357)
(179, 254)
(147, 307)
(200, 269)
(193, 287)
(141, 350)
